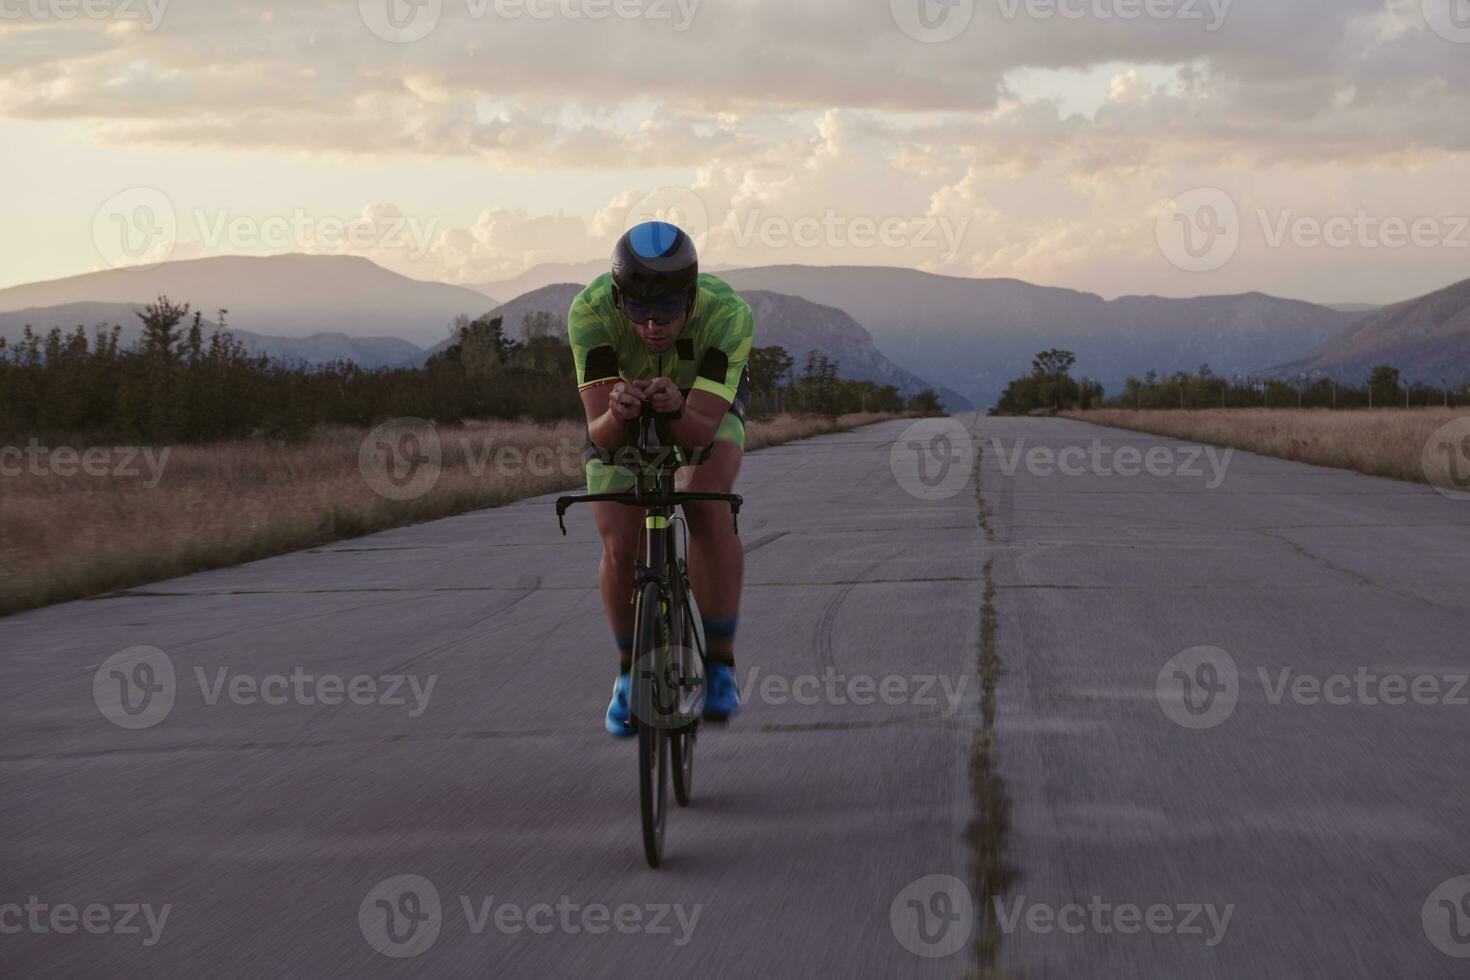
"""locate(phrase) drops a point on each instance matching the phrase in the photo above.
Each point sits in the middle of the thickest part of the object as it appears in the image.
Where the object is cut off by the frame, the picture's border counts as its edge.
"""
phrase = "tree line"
(1385, 387)
(1050, 388)
(190, 380)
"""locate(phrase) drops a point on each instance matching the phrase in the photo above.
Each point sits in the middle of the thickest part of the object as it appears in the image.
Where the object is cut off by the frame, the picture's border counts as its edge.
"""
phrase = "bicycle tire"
(653, 741)
(682, 741)
(681, 751)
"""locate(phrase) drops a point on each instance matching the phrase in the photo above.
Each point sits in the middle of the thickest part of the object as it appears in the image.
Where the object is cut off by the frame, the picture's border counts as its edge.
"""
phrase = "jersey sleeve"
(592, 345)
(731, 337)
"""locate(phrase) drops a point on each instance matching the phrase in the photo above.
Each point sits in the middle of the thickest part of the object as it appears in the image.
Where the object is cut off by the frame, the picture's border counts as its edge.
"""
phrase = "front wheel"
(650, 646)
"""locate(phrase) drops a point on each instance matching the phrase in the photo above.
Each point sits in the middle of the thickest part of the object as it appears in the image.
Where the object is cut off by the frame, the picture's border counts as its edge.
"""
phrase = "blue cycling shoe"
(618, 722)
(721, 698)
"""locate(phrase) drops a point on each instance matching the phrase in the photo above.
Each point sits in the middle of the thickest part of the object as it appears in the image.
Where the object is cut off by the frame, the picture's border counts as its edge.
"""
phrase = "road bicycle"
(666, 695)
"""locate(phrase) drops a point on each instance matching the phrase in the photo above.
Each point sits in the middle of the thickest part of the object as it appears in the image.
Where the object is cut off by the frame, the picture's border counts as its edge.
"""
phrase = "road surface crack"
(988, 830)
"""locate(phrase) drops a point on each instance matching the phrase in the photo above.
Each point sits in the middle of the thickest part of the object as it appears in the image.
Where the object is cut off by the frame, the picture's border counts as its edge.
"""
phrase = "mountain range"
(975, 335)
(1427, 339)
(280, 295)
(898, 326)
(782, 321)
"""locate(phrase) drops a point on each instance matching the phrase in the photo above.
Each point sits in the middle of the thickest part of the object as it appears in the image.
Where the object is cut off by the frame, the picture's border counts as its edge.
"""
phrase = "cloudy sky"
(1310, 148)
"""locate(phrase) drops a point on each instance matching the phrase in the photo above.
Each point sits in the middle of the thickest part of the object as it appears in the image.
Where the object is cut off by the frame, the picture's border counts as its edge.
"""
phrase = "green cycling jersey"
(710, 354)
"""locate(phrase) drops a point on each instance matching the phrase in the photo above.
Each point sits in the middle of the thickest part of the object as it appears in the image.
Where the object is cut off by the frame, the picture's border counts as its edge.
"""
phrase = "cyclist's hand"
(665, 396)
(625, 401)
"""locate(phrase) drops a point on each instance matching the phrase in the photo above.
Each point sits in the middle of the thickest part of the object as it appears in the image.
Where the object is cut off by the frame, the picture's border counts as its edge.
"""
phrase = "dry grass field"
(1380, 442)
(77, 523)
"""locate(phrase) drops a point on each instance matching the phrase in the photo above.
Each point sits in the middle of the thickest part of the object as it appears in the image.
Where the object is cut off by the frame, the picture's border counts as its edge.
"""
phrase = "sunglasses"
(661, 312)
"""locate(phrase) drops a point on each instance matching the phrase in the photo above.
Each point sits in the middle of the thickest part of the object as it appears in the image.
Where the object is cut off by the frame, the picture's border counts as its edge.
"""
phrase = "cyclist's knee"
(620, 546)
(619, 527)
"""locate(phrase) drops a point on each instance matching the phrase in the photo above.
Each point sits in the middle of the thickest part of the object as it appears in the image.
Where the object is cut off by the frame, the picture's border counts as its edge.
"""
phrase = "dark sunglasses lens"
(664, 311)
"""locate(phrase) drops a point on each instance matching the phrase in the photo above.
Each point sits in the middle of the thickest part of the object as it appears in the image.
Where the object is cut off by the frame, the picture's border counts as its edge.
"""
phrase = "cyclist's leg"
(716, 558)
(621, 530)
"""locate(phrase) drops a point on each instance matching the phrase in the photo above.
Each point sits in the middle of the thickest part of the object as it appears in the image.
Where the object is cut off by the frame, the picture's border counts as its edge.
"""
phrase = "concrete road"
(168, 751)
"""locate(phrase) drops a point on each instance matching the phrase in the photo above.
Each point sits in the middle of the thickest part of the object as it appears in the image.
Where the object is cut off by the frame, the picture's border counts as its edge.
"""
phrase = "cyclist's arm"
(703, 412)
(608, 432)
(595, 356)
(719, 376)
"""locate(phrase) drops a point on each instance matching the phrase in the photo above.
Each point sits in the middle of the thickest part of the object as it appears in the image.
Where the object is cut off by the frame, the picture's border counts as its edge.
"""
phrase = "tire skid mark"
(469, 631)
(828, 621)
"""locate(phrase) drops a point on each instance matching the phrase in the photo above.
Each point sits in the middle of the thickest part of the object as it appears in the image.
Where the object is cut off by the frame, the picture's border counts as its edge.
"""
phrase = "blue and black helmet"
(655, 261)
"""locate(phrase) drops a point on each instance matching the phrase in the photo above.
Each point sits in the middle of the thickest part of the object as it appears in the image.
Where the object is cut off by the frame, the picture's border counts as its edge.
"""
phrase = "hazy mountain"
(320, 348)
(552, 273)
(786, 321)
(975, 335)
(1358, 308)
(1426, 338)
(283, 295)
(543, 275)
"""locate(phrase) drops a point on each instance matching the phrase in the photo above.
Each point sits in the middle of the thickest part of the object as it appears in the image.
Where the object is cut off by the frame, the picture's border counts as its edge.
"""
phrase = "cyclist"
(655, 330)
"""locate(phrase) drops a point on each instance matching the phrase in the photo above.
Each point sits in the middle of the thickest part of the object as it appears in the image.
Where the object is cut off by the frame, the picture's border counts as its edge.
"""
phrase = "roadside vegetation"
(189, 381)
(1380, 427)
(186, 452)
(1379, 442)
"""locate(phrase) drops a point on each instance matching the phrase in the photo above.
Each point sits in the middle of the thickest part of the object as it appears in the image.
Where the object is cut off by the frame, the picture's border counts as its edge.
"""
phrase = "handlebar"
(658, 457)
(563, 504)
